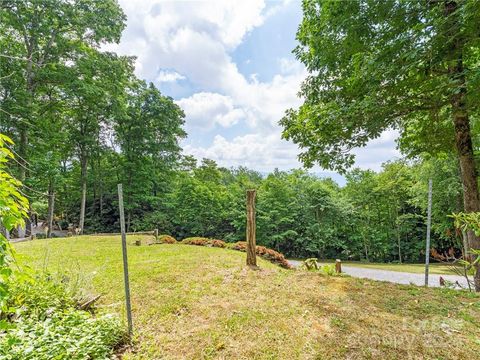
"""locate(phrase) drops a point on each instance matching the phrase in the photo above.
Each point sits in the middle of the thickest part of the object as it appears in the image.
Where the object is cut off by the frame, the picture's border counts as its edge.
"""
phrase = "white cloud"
(205, 110)
(195, 41)
(258, 151)
(169, 76)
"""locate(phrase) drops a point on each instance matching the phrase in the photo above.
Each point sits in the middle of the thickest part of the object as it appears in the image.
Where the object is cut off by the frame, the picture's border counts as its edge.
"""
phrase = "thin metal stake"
(125, 259)
(429, 224)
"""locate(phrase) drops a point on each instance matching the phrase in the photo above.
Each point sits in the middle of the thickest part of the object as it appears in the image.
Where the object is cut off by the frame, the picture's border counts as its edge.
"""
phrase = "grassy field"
(194, 302)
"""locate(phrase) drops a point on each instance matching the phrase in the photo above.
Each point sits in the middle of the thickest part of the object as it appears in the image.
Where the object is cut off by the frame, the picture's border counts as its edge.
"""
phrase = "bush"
(72, 334)
(199, 241)
(166, 239)
(328, 270)
(43, 322)
(266, 253)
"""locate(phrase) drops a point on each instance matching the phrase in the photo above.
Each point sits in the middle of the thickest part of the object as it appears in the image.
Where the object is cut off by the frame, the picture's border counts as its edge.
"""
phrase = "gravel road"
(395, 276)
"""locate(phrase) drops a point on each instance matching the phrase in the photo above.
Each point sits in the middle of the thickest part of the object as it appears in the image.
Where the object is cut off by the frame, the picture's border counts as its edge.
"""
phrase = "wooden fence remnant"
(251, 230)
(338, 266)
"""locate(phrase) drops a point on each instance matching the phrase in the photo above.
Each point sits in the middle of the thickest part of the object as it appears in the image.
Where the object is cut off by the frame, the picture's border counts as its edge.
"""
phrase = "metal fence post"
(125, 259)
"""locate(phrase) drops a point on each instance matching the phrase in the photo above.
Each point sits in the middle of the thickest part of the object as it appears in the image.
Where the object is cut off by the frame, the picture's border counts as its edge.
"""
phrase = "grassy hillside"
(194, 302)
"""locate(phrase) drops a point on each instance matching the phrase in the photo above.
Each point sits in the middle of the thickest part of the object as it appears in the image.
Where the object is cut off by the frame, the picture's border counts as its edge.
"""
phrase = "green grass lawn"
(194, 302)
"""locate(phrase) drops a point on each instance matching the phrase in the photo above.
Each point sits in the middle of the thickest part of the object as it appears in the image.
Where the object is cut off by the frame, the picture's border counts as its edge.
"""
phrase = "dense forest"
(82, 122)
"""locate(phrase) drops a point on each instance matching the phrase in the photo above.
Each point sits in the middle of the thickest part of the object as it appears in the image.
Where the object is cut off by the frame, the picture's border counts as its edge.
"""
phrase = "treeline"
(375, 216)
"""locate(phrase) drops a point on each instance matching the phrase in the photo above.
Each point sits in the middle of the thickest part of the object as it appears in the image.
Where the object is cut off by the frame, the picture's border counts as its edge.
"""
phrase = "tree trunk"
(463, 138)
(83, 200)
(471, 200)
(51, 206)
(463, 143)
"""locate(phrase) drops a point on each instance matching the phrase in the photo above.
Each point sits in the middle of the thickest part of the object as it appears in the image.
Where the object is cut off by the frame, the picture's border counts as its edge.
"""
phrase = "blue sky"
(229, 65)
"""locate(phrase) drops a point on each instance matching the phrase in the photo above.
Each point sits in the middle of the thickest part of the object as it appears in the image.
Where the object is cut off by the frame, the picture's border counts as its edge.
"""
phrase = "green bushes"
(73, 334)
(43, 322)
(313, 265)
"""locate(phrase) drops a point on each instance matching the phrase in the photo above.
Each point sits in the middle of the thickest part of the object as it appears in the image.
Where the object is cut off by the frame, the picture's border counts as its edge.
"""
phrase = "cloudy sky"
(229, 65)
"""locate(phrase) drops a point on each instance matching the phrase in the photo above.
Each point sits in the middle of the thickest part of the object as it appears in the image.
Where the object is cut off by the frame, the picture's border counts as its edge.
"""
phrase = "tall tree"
(377, 65)
(42, 35)
(148, 134)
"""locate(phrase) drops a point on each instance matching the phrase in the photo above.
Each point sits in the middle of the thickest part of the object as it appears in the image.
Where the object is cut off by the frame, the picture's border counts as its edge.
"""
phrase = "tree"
(95, 95)
(377, 65)
(42, 38)
(148, 134)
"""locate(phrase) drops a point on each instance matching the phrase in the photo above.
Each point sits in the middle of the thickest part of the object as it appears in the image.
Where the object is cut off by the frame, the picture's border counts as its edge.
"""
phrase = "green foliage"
(328, 270)
(467, 221)
(376, 65)
(13, 204)
(70, 335)
(13, 209)
(45, 324)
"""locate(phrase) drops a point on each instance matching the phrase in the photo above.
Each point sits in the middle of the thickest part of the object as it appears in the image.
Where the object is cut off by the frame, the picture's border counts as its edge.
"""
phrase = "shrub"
(218, 243)
(199, 241)
(43, 322)
(328, 270)
(166, 239)
(266, 253)
(72, 334)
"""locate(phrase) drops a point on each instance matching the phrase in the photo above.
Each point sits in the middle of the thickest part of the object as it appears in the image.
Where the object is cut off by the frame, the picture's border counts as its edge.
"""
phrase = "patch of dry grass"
(194, 302)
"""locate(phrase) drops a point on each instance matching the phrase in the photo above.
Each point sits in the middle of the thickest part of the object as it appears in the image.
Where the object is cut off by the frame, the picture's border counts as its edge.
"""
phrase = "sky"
(229, 65)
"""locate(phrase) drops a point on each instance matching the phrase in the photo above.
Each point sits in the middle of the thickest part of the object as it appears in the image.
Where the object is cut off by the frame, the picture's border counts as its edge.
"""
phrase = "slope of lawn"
(194, 302)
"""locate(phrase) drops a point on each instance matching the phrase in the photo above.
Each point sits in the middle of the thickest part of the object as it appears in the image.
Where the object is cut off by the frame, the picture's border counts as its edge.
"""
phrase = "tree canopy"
(376, 65)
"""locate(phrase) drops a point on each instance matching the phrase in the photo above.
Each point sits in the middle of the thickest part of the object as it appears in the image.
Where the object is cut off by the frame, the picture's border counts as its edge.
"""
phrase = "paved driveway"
(395, 276)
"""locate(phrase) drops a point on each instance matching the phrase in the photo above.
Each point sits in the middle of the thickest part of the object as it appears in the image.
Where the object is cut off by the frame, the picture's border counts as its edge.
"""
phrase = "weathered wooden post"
(251, 230)
(155, 233)
(51, 205)
(125, 259)
(338, 266)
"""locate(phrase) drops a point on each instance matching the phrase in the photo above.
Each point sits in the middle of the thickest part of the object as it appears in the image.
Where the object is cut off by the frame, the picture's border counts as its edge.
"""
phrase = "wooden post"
(251, 230)
(138, 242)
(125, 259)
(338, 266)
(155, 233)
(51, 205)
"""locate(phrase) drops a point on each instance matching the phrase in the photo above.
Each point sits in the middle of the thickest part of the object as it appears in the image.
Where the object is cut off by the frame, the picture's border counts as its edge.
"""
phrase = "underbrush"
(266, 253)
(167, 239)
(43, 320)
(199, 241)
